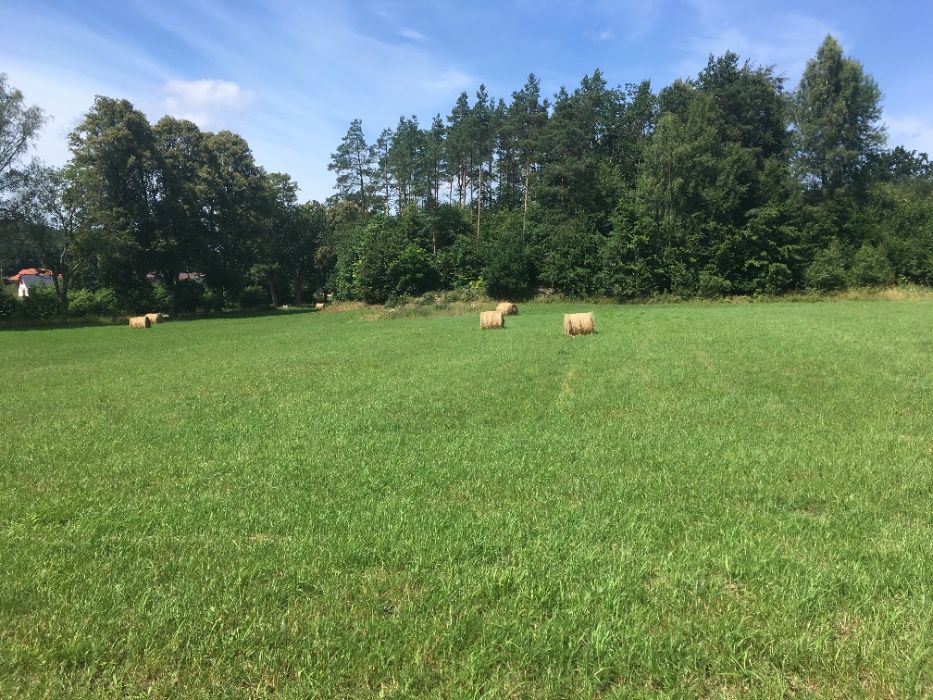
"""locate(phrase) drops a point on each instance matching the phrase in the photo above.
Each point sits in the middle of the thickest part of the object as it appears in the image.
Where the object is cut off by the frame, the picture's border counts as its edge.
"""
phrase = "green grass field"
(699, 501)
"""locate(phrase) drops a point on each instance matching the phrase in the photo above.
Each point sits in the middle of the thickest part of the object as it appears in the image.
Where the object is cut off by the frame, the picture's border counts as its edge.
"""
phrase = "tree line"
(160, 215)
(726, 183)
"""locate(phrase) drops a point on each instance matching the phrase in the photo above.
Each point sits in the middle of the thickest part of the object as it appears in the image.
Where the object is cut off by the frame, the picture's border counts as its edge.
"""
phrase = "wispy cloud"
(779, 38)
(290, 75)
(912, 130)
(603, 35)
(325, 67)
(62, 94)
(412, 34)
(205, 102)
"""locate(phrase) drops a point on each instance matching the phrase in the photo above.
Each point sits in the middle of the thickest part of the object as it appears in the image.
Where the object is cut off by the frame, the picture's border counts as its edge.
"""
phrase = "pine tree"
(836, 110)
(353, 163)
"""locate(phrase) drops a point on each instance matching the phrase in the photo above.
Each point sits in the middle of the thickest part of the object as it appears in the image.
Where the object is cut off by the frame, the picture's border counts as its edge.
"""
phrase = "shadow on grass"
(90, 322)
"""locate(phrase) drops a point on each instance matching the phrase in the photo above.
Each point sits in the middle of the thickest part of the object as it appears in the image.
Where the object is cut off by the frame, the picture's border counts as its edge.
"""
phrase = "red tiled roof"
(30, 271)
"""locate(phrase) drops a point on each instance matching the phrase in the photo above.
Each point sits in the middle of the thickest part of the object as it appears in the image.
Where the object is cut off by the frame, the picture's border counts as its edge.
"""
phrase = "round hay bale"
(491, 319)
(140, 322)
(507, 308)
(155, 318)
(579, 324)
(319, 306)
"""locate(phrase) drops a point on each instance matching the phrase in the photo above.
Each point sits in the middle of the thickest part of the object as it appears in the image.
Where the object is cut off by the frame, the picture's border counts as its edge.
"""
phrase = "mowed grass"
(699, 501)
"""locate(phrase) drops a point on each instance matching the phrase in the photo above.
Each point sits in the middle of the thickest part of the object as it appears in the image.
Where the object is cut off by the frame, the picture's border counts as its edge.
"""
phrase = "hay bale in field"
(491, 319)
(507, 308)
(140, 322)
(319, 306)
(155, 318)
(579, 324)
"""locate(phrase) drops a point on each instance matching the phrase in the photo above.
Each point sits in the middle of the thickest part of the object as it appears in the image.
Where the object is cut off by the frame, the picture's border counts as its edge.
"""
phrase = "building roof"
(30, 271)
(36, 280)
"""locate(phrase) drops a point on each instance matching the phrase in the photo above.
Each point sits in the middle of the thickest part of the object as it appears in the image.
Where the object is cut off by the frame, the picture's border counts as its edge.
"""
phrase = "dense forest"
(727, 183)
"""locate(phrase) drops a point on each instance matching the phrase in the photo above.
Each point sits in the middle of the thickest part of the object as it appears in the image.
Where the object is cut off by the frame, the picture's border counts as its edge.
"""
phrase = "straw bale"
(491, 319)
(579, 324)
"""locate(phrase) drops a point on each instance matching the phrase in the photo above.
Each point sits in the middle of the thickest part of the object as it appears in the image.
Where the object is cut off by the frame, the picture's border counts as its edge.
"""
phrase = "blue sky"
(290, 75)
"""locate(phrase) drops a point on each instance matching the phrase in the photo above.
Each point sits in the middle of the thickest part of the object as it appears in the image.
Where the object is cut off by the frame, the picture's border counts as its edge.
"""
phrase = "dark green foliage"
(461, 263)
(778, 279)
(412, 271)
(253, 297)
(509, 271)
(101, 302)
(189, 295)
(722, 184)
(391, 262)
(381, 246)
(711, 285)
(7, 304)
(828, 271)
(570, 258)
(837, 109)
(870, 268)
(42, 303)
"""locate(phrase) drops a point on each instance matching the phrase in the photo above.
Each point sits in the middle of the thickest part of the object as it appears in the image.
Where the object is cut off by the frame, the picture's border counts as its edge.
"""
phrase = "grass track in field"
(715, 501)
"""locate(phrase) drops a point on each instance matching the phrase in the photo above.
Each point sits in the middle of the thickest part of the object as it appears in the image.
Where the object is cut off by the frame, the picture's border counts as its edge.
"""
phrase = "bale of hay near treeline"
(155, 318)
(507, 308)
(579, 324)
(140, 322)
(491, 319)
(319, 306)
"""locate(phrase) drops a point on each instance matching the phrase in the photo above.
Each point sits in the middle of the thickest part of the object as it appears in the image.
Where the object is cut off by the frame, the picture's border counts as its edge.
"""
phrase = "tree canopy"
(722, 183)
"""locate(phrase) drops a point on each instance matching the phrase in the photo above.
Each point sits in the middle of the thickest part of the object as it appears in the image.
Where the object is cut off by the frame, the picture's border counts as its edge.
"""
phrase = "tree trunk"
(62, 290)
(479, 203)
(171, 280)
(273, 294)
(525, 203)
(434, 228)
(299, 284)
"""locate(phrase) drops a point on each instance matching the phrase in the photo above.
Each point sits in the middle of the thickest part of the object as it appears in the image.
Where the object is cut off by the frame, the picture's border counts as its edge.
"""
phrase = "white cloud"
(205, 102)
(64, 96)
(604, 35)
(786, 40)
(412, 34)
(914, 133)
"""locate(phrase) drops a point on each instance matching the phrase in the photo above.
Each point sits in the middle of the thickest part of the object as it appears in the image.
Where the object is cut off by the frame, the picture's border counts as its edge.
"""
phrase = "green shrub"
(509, 271)
(105, 303)
(7, 304)
(161, 297)
(80, 302)
(871, 268)
(778, 279)
(253, 297)
(827, 272)
(710, 285)
(211, 301)
(412, 271)
(460, 263)
(189, 296)
(42, 303)
(102, 302)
